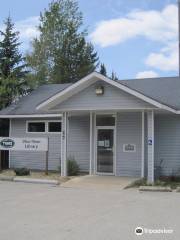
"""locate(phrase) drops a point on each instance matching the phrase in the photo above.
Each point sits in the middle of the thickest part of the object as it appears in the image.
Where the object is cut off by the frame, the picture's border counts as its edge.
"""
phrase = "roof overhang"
(31, 116)
(87, 81)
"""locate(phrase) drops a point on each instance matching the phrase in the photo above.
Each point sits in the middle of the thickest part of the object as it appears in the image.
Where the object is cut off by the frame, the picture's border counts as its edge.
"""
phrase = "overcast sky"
(134, 38)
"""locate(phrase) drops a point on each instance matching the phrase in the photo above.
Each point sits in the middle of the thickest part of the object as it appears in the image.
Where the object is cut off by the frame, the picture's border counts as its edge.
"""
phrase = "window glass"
(105, 120)
(54, 126)
(36, 127)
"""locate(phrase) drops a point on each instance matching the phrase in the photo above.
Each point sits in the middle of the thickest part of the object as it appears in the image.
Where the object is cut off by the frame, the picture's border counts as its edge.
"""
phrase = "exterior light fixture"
(99, 90)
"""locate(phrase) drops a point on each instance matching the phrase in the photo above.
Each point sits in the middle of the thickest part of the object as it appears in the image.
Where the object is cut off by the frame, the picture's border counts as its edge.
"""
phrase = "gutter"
(30, 115)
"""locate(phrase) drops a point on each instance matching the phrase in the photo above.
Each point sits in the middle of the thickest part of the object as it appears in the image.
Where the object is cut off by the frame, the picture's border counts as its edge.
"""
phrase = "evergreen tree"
(61, 53)
(113, 76)
(12, 66)
(103, 69)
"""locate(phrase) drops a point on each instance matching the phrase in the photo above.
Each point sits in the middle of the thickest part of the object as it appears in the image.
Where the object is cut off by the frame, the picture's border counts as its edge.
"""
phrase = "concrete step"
(36, 180)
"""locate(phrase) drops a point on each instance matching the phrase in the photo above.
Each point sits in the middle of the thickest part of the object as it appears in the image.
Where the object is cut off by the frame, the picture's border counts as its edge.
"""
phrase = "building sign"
(129, 147)
(24, 144)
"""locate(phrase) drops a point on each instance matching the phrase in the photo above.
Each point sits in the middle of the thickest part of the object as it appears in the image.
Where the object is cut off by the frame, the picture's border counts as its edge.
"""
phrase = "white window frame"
(46, 126)
(114, 128)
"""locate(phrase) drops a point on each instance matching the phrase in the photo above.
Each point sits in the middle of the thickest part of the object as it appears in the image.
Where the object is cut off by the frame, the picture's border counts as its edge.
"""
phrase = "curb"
(7, 178)
(154, 189)
(36, 180)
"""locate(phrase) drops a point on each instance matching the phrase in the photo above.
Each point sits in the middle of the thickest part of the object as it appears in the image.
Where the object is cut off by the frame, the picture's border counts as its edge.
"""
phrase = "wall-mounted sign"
(107, 143)
(129, 147)
(100, 143)
(24, 144)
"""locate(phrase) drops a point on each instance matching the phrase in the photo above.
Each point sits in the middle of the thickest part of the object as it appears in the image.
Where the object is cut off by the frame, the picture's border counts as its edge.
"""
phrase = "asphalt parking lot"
(42, 212)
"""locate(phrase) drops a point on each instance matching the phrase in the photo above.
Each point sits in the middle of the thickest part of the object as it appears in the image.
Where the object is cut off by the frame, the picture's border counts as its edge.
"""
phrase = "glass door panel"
(105, 153)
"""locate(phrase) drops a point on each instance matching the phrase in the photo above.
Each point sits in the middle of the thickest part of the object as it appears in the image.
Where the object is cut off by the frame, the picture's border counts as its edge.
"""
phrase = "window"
(46, 126)
(54, 127)
(105, 120)
(36, 126)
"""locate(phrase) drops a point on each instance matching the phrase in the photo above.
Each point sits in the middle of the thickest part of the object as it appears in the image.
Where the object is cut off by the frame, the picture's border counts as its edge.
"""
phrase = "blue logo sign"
(150, 142)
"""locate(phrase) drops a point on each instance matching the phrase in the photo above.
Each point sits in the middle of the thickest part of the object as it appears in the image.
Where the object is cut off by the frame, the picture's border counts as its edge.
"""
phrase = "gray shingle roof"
(27, 104)
(164, 90)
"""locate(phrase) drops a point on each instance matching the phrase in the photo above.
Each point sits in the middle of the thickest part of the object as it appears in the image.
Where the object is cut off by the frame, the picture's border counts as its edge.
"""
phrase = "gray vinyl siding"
(35, 160)
(113, 98)
(79, 140)
(167, 143)
(129, 130)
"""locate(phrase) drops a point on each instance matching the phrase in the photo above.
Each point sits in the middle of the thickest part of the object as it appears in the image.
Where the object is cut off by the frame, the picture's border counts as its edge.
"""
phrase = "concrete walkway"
(99, 182)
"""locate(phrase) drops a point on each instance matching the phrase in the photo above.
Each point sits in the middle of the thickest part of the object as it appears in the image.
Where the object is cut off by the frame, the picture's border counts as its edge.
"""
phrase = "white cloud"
(28, 30)
(166, 59)
(28, 27)
(155, 25)
(147, 74)
(159, 26)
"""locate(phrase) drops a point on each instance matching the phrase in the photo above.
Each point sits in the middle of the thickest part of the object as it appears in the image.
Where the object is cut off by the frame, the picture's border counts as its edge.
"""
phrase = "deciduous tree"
(61, 53)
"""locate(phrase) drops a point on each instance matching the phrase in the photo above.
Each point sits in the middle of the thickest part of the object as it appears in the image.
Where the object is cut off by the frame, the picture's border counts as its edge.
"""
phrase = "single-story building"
(121, 128)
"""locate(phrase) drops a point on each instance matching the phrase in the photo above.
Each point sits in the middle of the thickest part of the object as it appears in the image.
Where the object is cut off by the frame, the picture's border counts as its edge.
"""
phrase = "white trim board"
(87, 81)
(142, 144)
(10, 133)
(31, 116)
(103, 109)
(91, 142)
(152, 146)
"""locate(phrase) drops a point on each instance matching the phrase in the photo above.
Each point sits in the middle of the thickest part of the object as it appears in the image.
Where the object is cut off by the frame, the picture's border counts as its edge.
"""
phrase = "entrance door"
(105, 151)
